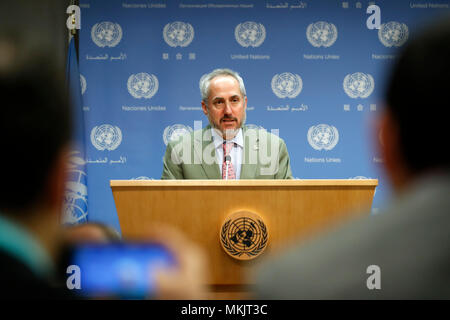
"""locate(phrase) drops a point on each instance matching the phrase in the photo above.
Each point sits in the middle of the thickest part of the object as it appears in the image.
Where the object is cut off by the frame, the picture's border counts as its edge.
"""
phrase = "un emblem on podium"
(358, 85)
(142, 85)
(106, 137)
(178, 34)
(321, 34)
(323, 137)
(250, 34)
(287, 85)
(244, 235)
(393, 34)
(106, 34)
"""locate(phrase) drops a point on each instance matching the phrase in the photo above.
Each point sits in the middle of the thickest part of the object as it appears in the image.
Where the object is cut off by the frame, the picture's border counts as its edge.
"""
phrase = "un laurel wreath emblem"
(250, 34)
(178, 34)
(142, 85)
(244, 235)
(323, 137)
(393, 34)
(75, 196)
(175, 132)
(321, 34)
(287, 85)
(83, 84)
(106, 34)
(358, 85)
(106, 137)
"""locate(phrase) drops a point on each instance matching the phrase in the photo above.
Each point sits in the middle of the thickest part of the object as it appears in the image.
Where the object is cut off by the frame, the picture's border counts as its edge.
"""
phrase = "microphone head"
(228, 158)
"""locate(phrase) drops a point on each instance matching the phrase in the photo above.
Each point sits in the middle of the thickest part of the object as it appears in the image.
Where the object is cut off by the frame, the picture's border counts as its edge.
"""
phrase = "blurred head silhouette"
(414, 125)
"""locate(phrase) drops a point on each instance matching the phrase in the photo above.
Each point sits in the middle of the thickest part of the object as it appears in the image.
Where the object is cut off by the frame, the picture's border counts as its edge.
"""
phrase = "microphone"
(227, 161)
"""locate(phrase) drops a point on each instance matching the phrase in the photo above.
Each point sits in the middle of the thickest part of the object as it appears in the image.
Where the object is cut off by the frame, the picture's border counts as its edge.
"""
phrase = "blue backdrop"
(312, 69)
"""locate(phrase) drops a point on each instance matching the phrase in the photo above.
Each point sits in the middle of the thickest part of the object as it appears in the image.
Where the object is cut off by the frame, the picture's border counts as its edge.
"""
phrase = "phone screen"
(124, 270)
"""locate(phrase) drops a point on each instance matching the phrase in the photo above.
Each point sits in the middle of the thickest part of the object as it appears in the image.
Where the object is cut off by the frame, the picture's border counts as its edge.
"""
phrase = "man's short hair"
(417, 96)
(205, 82)
(34, 123)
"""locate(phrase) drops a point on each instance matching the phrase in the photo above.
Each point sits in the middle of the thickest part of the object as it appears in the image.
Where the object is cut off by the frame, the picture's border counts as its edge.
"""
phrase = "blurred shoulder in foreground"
(403, 253)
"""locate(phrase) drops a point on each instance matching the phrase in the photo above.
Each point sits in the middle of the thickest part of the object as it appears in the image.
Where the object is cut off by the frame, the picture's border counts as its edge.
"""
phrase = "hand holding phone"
(121, 270)
(166, 266)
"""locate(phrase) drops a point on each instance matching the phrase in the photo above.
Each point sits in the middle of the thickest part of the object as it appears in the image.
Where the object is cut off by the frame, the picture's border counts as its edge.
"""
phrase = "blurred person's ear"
(391, 150)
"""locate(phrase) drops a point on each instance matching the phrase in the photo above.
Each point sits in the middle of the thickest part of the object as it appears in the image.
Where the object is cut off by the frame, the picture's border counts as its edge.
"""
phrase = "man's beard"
(228, 133)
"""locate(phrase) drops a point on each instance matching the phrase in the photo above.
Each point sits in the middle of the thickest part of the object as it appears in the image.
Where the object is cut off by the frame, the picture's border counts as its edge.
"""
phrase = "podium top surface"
(246, 183)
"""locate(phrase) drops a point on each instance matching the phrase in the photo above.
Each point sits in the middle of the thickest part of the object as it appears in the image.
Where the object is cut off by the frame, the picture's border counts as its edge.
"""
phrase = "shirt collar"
(22, 245)
(218, 140)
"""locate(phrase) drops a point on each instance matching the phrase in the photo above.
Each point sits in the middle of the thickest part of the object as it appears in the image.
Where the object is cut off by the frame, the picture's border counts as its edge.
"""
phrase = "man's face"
(226, 106)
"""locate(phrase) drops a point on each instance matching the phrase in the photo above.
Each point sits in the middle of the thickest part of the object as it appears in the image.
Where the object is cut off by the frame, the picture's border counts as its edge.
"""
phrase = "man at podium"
(226, 148)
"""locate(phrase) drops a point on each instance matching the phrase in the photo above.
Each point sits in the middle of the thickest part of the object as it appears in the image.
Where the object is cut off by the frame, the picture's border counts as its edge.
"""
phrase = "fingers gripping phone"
(122, 270)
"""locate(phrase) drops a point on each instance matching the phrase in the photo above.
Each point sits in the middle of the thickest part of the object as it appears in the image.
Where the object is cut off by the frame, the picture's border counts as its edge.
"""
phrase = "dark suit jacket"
(18, 281)
(409, 243)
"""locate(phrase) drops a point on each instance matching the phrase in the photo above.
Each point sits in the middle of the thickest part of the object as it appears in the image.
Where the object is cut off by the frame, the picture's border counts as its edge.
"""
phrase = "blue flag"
(76, 197)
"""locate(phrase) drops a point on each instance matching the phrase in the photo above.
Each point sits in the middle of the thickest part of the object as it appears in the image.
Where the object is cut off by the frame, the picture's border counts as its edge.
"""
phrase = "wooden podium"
(291, 210)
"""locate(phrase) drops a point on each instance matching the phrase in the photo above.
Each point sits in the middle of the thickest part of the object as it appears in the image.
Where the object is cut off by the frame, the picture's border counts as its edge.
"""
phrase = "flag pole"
(72, 32)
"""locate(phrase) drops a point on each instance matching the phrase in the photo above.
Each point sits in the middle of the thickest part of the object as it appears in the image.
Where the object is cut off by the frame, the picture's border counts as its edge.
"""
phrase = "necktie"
(227, 146)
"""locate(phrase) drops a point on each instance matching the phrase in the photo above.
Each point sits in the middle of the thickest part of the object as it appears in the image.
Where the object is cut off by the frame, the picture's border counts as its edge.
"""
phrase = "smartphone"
(120, 270)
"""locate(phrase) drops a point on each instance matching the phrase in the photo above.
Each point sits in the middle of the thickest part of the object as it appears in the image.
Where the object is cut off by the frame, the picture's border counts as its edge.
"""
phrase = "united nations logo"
(363, 178)
(83, 84)
(393, 34)
(358, 85)
(75, 197)
(142, 178)
(321, 34)
(250, 34)
(173, 133)
(254, 127)
(106, 137)
(323, 137)
(142, 85)
(178, 34)
(244, 235)
(287, 85)
(106, 34)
